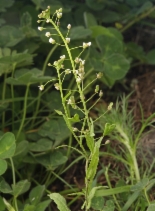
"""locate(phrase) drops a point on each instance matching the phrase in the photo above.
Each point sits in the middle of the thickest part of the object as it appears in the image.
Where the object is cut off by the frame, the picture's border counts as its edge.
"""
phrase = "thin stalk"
(14, 182)
(12, 95)
(24, 111)
(3, 98)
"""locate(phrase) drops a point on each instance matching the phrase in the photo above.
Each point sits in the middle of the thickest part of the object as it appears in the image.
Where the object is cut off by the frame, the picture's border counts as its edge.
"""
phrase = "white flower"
(89, 43)
(78, 80)
(48, 20)
(69, 26)
(41, 87)
(57, 86)
(59, 15)
(84, 45)
(62, 57)
(68, 39)
(52, 40)
(47, 34)
(40, 28)
(82, 62)
(67, 71)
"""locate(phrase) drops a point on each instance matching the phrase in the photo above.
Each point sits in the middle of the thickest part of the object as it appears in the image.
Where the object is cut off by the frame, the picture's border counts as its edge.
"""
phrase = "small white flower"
(57, 86)
(69, 26)
(47, 34)
(40, 28)
(77, 60)
(41, 87)
(99, 75)
(78, 80)
(75, 129)
(68, 40)
(69, 101)
(62, 57)
(52, 40)
(89, 43)
(59, 15)
(48, 20)
(84, 45)
(67, 71)
(82, 62)
(100, 93)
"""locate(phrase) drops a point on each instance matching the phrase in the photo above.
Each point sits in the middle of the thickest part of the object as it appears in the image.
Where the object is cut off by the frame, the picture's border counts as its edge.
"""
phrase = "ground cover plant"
(46, 107)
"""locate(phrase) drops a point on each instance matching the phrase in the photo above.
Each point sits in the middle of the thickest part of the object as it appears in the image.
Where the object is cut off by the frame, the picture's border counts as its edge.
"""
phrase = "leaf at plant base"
(3, 166)
(43, 205)
(36, 194)
(10, 36)
(4, 5)
(79, 32)
(151, 207)
(29, 207)
(116, 66)
(60, 201)
(20, 187)
(5, 187)
(2, 205)
(89, 19)
(52, 160)
(97, 203)
(55, 130)
(150, 57)
(108, 128)
(8, 205)
(7, 145)
(42, 145)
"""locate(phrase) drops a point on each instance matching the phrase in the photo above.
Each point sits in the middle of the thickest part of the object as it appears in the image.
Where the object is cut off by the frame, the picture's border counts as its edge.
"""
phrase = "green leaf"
(20, 187)
(52, 160)
(91, 196)
(151, 207)
(5, 187)
(2, 205)
(108, 128)
(9, 207)
(7, 145)
(89, 19)
(150, 57)
(41, 145)
(59, 112)
(109, 206)
(10, 36)
(90, 142)
(55, 130)
(22, 148)
(79, 32)
(146, 6)
(75, 118)
(43, 205)
(97, 203)
(116, 66)
(131, 200)
(91, 171)
(60, 201)
(3, 166)
(5, 4)
(36, 194)
(95, 5)
(53, 101)
(140, 185)
(29, 207)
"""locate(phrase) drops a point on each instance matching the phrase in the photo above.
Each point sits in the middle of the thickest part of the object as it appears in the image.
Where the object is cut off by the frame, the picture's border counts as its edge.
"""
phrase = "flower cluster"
(80, 72)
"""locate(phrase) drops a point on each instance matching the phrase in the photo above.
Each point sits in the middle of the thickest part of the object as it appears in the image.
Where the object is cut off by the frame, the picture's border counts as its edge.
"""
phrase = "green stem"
(12, 95)
(14, 182)
(24, 111)
(3, 98)
(137, 19)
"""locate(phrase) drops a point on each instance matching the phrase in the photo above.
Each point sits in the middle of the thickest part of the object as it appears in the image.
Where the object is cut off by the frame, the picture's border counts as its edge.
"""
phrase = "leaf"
(2, 205)
(110, 206)
(9, 207)
(140, 185)
(43, 205)
(41, 145)
(89, 19)
(3, 166)
(36, 194)
(5, 187)
(91, 195)
(74, 119)
(60, 201)
(5, 4)
(97, 203)
(116, 66)
(95, 5)
(7, 145)
(151, 207)
(22, 148)
(79, 32)
(131, 200)
(29, 207)
(20, 187)
(10, 36)
(90, 142)
(53, 101)
(108, 128)
(59, 112)
(150, 57)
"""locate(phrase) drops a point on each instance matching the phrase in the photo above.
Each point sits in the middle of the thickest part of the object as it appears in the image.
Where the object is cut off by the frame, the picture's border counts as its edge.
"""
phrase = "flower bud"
(99, 75)
(40, 28)
(41, 87)
(47, 34)
(96, 88)
(57, 86)
(59, 15)
(69, 26)
(60, 10)
(100, 93)
(52, 41)
(110, 106)
(68, 39)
